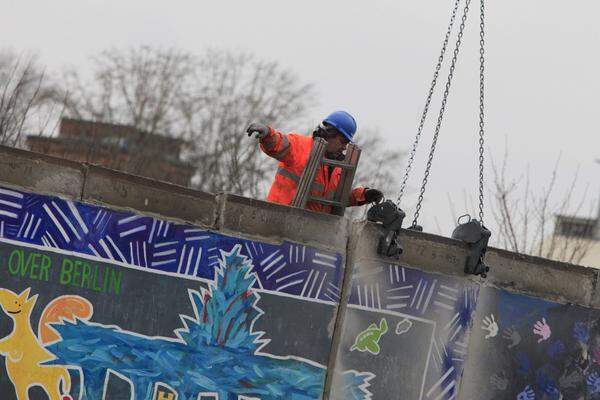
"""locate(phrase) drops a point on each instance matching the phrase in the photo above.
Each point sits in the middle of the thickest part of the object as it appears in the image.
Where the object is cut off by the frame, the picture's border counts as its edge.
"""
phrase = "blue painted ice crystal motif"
(215, 351)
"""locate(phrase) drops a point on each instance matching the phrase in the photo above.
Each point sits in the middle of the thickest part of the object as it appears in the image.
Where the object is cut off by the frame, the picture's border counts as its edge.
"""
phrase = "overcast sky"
(375, 59)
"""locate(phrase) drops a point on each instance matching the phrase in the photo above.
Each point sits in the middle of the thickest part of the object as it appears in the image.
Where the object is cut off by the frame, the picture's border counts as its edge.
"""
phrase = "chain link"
(481, 105)
(428, 102)
(441, 114)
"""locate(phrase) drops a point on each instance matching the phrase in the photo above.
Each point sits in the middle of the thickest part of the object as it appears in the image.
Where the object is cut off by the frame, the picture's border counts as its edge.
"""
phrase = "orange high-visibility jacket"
(292, 151)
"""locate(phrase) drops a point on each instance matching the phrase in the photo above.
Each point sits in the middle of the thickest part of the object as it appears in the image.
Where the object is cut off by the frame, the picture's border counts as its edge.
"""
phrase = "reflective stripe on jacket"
(292, 151)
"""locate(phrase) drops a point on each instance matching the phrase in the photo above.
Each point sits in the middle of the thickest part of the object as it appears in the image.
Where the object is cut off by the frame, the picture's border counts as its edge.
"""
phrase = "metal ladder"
(316, 159)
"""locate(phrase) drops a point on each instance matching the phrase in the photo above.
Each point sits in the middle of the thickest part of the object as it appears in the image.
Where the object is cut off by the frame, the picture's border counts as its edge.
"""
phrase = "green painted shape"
(373, 347)
(368, 340)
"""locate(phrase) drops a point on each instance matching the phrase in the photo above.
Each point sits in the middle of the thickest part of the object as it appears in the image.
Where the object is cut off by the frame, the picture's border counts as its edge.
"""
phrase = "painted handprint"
(499, 381)
(580, 332)
(545, 382)
(570, 380)
(593, 383)
(526, 394)
(542, 329)
(490, 325)
(512, 336)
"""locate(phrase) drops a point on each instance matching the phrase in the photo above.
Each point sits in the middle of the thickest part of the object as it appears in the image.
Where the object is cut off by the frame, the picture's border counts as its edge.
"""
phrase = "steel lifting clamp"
(391, 217)
(476, 236)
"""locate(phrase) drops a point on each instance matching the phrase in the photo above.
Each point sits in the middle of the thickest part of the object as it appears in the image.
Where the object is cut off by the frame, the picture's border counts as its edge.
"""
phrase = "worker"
(293, 150)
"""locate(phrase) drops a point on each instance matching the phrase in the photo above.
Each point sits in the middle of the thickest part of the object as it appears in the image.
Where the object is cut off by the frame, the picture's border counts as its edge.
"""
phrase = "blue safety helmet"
(343, 122)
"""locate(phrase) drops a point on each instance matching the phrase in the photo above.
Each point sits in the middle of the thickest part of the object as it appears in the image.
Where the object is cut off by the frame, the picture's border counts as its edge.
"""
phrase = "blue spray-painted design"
(544, 379)
(215, 351)
(526, 394)
(593, 383)
(161, 245)
(581, 332)
(556, 356)
(446, 302)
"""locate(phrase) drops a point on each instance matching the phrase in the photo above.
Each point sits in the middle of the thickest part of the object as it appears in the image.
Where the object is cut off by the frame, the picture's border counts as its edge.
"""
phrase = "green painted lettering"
(115, 280)
(66, 272)
(34, 264)
(24, 266)
(105, 279)
(86, 275)
(76, 273)
(46, 263)
(95, 283)
(14, 261)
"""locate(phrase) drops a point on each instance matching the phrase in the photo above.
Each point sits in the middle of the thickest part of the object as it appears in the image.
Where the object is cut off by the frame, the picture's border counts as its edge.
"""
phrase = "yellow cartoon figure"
(25, 353)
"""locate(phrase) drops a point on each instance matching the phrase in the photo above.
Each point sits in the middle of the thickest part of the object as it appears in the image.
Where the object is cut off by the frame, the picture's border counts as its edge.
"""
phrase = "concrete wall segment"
(408, 328)
(428, 252)
(276, 222)
(521, 293)
(351, 253)
(37, 172)
(117, 189)
(115, 259)
(533, 276)
(595, 300)
(49, 175)
(559, 282)
(530, 348)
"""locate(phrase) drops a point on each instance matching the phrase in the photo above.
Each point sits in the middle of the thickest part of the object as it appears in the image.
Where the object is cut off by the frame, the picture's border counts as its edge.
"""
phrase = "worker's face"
(336, 145)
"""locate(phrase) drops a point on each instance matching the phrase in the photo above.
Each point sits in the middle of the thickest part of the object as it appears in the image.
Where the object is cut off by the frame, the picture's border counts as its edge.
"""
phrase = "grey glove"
(260, 130)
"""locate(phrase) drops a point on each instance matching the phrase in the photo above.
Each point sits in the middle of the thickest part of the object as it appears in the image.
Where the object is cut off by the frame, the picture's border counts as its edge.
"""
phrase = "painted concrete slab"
(530, 348)
(423, 351)
(128, 304)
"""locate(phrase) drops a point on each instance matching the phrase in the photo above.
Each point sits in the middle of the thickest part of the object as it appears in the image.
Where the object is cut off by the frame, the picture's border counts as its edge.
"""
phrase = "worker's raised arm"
(273, 143)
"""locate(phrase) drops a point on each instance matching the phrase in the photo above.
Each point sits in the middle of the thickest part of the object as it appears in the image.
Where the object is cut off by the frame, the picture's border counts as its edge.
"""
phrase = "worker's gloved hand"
(259, 130)
(373, 195)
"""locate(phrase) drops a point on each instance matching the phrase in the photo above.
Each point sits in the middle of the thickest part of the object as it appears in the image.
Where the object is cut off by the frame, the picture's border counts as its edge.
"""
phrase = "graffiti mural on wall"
(125, 270)
(26, 354)
(408, 326)
(539, 349)
(216, 351)
(163, 246)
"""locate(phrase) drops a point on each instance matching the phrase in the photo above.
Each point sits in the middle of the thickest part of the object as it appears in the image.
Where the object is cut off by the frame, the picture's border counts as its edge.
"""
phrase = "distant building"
(585, 228)
(579, 234)
(119, 147)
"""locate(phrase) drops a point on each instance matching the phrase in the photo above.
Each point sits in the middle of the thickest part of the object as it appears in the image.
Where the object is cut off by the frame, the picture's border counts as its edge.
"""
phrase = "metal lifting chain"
(481, 105)
(428, 102)
(442, 109)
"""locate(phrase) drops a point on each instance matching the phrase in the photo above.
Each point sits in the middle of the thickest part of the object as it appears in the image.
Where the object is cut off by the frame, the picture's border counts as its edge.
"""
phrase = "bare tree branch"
(24, 94)
(230, 90)
(525, 219)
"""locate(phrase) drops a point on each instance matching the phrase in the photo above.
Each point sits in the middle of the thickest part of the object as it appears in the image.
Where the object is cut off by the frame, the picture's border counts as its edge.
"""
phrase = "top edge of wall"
(519, 273)
(38, 173)
(275, 221)
(47, 175)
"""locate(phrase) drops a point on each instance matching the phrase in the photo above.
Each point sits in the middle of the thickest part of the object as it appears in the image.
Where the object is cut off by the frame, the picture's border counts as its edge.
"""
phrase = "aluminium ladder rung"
(340, 164)
(317, 158)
